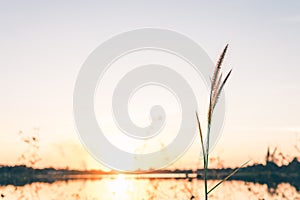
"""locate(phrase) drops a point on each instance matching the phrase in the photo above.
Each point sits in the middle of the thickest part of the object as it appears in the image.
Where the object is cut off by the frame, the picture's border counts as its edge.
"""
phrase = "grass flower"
(217, 86)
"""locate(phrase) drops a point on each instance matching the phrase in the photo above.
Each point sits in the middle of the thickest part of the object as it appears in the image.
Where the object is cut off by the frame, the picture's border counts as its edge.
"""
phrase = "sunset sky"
(43, 45)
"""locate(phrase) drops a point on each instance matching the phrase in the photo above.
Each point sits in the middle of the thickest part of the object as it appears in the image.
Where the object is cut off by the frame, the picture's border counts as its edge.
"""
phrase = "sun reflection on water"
(124, 187)
(120, 186)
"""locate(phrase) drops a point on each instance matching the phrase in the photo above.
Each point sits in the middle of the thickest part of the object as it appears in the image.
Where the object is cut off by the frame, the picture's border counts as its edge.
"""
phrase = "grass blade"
(227, 177)
(201, 137)
(205, 161)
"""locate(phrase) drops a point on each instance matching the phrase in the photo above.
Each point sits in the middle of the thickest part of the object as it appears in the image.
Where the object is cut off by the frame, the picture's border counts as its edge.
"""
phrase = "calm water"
(129, 188)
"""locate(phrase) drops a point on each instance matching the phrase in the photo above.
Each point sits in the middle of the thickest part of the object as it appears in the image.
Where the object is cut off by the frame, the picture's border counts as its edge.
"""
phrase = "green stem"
(206, 163)
(207, 145)
(205, 182)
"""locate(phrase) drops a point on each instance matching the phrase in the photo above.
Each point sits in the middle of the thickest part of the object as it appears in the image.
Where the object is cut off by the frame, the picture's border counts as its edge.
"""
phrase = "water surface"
(130, 188)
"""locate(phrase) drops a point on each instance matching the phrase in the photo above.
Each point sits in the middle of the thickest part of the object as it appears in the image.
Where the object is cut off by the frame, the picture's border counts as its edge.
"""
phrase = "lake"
(135, 187)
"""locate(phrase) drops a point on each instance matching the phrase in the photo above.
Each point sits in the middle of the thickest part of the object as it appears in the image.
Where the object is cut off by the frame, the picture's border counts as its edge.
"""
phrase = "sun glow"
(120, 186)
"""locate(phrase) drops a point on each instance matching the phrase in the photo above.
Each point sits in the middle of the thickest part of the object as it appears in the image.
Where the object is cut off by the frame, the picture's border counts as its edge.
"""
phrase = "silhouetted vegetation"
(21, 175)
(269, 173)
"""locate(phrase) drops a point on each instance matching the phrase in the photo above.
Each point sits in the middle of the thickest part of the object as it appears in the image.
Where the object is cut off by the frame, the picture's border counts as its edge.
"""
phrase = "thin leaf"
(227, 177)
(201, 137)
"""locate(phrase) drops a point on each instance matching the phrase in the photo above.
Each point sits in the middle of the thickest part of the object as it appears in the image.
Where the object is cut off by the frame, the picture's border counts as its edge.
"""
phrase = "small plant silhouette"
(30, 157)
(217, 85)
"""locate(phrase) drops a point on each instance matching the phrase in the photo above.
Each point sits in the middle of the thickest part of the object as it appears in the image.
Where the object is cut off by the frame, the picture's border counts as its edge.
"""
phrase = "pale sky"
(43, 45)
